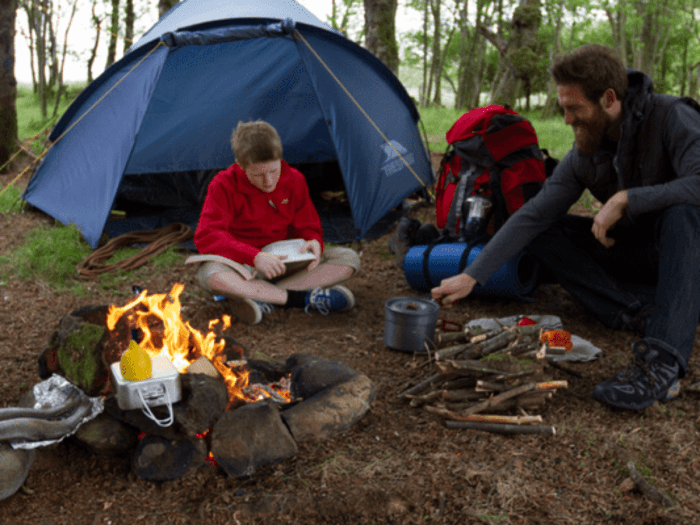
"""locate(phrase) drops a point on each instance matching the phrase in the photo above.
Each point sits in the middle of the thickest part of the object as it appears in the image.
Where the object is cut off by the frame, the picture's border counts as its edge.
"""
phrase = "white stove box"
(162, 388)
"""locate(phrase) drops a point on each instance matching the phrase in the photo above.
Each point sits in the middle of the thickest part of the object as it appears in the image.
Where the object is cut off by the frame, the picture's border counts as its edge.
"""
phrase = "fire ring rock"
(310, 374)
(160, 459)
(331, 411)
(204, 399)
(250, 437)
(106, 435)
(14, 469)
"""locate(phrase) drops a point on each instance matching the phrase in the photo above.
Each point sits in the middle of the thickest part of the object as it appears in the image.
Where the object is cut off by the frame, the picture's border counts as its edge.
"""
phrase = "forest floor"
(396, 465)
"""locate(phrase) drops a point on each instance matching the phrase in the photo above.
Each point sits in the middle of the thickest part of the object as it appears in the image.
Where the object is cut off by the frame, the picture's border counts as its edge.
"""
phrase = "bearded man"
(636, 265)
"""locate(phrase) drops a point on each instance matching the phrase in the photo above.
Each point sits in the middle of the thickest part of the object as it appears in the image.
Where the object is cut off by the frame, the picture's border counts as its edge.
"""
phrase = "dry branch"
(484, 418)
(501, 428)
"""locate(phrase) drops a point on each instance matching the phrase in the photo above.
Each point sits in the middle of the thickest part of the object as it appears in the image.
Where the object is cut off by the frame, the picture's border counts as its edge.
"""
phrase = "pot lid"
(412, 306)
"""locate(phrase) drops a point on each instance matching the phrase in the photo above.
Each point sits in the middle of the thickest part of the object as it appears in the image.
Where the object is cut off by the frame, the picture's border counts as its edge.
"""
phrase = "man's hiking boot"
(249, 311)
(325, 300)
(646, 379)
(403, 238)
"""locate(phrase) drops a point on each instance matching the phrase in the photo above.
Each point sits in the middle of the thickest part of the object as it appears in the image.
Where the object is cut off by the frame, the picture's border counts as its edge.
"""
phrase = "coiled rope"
(158, 241)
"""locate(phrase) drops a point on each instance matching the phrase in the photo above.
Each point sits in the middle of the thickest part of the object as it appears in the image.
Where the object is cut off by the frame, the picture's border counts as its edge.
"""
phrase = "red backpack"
(492, 152)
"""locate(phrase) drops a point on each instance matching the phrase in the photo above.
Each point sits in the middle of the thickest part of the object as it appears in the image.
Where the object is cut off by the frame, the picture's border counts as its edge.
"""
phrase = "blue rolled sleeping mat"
(426, 265)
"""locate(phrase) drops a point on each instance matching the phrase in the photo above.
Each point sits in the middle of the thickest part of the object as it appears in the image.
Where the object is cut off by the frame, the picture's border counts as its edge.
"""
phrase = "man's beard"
(589, 134)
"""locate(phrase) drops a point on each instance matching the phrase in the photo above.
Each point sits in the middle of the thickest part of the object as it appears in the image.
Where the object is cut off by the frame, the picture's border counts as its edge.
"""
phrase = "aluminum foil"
(54, 392)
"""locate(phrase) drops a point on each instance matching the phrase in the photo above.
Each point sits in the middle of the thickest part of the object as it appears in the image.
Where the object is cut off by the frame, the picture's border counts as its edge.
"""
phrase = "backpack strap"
(467, 178)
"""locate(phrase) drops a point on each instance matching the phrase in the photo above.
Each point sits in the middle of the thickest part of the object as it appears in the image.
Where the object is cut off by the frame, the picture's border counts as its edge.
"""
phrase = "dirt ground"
(397, 465)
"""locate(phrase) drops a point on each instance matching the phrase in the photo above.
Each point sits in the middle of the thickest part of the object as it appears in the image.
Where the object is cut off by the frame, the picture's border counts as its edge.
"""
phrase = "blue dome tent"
(154, 128)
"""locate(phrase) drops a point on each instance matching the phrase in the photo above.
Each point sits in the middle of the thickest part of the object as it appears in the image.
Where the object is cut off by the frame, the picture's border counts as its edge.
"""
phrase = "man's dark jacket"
(658, 162)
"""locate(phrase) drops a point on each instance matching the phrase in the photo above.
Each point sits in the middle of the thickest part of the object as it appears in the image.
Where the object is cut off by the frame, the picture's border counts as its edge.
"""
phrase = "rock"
(250, 437)
(160, 459)
(14, 469)
(311, 375)
(330, 411)
(204, 399)
(202, 365)
(136, 418)
(106, 435)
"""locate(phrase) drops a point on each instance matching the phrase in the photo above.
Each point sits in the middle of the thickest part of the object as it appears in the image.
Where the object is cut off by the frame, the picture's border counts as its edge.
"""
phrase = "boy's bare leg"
(231, 284)
(324, 275)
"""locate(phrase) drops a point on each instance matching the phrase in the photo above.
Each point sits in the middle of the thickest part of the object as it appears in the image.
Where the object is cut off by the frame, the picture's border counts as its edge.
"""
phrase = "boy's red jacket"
(238, 219)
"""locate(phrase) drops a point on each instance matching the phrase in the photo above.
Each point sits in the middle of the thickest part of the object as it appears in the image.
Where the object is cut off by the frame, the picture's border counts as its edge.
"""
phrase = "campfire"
(156, 321)
(243, 412)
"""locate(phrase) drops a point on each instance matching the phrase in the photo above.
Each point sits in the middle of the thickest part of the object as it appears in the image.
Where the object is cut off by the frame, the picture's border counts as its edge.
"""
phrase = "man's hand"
(607, 217)
(314, 247)
(453, 289)
(269, 265)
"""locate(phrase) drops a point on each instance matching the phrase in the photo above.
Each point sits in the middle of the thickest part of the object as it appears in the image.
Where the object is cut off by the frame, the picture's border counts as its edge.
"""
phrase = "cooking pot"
(409, 323)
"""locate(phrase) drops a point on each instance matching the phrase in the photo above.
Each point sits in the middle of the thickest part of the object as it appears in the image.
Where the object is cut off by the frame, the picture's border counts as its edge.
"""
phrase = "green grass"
(29, 119)
(552, 133)
(51, 254)
(48, 254)
(10, 201)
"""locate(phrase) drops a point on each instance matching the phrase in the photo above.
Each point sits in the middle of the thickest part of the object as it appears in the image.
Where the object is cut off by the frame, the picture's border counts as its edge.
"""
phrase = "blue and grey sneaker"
(325, 300)
(645, 380)
(248, 310)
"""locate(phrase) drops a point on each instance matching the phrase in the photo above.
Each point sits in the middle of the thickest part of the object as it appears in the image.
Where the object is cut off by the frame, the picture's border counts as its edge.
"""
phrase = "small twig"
(417, 389)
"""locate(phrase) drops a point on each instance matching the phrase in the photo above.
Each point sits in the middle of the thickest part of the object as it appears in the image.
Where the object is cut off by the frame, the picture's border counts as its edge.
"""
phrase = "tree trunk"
(128, 25)
(423, 92)
(165, 5)
(380, 31)
(8, 83)
(465, 58)
(113, 34)
(436, 54)
(97, 21)
(550, 105)
(41, 54)
(520, 54)
(61, 87)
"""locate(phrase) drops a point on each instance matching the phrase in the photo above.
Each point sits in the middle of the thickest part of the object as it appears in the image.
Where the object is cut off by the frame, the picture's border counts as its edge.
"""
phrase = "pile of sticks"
(489, 380)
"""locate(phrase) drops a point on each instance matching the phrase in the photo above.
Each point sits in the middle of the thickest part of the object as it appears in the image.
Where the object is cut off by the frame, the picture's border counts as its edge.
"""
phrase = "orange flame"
(180, 342)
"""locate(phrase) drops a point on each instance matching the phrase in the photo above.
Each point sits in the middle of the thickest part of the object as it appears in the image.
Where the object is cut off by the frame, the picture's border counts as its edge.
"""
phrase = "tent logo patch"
(392, 163)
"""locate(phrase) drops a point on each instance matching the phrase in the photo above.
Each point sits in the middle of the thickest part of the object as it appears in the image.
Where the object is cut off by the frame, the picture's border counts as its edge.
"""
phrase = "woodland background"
(462, 53)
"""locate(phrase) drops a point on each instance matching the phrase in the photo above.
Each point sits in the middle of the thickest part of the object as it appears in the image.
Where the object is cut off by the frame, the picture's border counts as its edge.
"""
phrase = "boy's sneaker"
(642, 382)
(248, 310)
(325, 300)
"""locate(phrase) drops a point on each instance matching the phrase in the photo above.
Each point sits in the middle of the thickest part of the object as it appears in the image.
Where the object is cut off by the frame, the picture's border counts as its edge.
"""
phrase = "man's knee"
(679, 218)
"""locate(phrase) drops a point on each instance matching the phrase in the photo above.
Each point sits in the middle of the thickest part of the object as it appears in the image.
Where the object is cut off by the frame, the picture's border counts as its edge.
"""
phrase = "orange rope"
(159, 240)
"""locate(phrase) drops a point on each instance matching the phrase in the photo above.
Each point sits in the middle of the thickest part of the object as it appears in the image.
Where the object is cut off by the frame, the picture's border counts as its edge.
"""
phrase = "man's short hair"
(255, 141)
(595, 68)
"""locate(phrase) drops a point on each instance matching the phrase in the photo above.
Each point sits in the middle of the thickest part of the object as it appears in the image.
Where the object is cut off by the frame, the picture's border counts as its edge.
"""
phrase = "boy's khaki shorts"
(331, 255)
